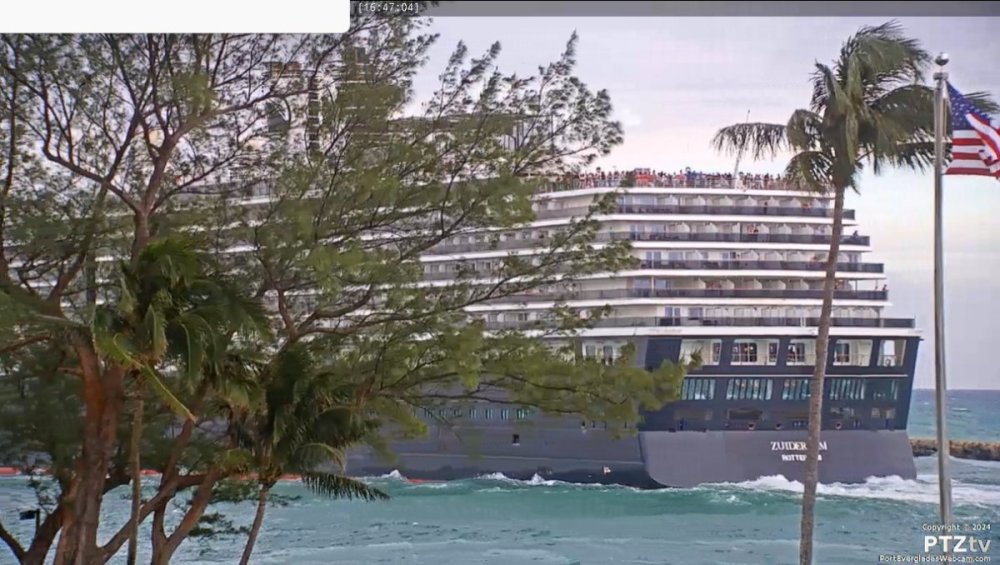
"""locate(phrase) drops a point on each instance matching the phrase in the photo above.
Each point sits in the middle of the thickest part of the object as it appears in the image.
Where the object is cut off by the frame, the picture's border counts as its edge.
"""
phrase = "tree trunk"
(258, 520)
(159, 537)
(164, 552)
(46, 534)
(816, 385)
(103, 397)
(135, 464)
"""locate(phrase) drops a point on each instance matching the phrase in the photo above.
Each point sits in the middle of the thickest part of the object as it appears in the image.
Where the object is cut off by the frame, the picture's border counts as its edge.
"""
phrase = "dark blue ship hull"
(649, 459)
(750, 424)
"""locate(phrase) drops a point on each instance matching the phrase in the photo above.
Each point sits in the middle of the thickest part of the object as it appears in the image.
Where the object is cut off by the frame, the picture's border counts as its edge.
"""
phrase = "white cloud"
(628, 117)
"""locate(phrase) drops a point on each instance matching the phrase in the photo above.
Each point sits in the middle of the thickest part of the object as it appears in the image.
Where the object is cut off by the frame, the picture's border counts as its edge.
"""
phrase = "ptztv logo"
(957, 544)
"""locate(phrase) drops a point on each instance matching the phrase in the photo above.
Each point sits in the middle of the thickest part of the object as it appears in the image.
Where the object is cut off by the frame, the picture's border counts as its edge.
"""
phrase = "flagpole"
(940, 389)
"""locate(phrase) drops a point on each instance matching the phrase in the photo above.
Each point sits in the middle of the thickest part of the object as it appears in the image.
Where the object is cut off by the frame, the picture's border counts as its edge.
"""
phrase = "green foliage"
(136, 250)
(869, 108)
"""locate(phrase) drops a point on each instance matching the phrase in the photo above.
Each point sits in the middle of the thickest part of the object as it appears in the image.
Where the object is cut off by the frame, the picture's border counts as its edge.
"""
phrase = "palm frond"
(881, 58)
(811, 169)
(804, 130)
(828, 98)
(153, 379)
(316, 452)
(984, 102)
(339, 486)
(917, 155)
(760, 139)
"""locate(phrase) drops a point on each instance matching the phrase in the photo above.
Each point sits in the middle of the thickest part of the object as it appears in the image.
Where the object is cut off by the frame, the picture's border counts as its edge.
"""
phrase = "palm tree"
(169, 309)
(303, 420)
(870, 108)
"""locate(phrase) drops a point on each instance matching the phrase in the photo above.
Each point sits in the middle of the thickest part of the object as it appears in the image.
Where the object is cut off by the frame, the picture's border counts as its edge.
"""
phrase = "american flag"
(975, 139)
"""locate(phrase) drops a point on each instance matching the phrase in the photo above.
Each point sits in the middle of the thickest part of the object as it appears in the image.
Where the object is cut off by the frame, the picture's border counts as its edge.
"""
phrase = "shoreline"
(961, 449)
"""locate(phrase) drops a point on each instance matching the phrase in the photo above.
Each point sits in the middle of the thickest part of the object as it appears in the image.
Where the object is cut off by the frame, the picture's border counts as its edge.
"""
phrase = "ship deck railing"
(879, 295)
(675, 182)
(658, 236)
(707, 209)
(694, 264)
(616, 322)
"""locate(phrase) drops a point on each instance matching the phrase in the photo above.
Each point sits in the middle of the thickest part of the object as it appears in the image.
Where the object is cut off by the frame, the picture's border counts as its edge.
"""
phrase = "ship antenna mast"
(736, 168)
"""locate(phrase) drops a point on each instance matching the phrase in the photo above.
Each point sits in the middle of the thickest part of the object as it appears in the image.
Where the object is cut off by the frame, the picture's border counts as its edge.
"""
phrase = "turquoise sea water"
(494, 520)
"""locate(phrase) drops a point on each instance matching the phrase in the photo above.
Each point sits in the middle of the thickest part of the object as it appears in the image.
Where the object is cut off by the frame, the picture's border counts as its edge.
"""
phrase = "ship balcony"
(761, 265)
(876, 295)
(635, 322)
(707, 237)
(450, 270)
(706, 209)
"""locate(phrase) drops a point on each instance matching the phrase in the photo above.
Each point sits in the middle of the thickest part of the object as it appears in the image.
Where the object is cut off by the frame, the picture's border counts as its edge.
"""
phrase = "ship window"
(847, 389)
(698, 389)
(504, 414)
(853, 352)
(472, 413)
(749, 389)
(795, 389)
(883, 389)
(522, 413)
(842, 354)
(876, 412)
(609, 353)
(842, 412)
(745, 414)
(801, 352)
(892, 353)
(744, 353)
(710, 351)
(487, 413)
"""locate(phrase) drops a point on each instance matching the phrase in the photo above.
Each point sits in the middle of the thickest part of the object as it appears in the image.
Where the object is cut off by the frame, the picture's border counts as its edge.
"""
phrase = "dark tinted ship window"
(883, 389)
(744, 414)
(847, 389)
(749, 389)
(698, 389)
(795, 389)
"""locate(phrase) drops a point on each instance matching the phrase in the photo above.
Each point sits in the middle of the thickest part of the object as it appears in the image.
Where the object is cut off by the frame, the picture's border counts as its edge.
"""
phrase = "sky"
(675, 81)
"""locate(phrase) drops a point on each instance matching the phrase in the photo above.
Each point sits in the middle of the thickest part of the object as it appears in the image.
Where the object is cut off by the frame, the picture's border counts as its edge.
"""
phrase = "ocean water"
(495, 520)
(972, 414)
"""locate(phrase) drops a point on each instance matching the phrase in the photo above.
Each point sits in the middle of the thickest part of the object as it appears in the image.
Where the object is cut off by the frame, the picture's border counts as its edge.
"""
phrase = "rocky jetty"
(979, 450)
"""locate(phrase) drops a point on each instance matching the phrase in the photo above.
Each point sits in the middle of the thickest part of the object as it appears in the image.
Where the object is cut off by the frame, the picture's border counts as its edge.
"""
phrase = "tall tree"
(304, 420)
(869, 109)
(169, 308)
(310, 168)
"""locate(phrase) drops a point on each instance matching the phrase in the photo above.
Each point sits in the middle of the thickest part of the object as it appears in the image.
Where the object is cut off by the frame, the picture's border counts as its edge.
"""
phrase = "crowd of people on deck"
(680, 179)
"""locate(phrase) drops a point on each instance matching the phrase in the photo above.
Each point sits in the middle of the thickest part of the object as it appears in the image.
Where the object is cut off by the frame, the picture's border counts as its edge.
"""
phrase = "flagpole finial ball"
(942, 59)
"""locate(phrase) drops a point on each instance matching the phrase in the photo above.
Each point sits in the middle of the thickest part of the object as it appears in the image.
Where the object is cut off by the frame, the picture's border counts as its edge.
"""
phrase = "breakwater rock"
(979, 450)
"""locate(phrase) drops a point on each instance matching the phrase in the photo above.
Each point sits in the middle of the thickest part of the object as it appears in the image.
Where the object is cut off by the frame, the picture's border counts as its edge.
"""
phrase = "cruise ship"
(730, 269)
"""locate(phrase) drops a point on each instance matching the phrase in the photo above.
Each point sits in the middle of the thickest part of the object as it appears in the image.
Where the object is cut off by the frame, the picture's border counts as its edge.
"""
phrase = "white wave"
(537, 480)
(922, 490)
(495, 477)
(394, 475)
